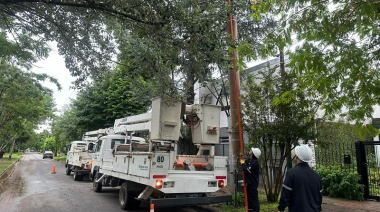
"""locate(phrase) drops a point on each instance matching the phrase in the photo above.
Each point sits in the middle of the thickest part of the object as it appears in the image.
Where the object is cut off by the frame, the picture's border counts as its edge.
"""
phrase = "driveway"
(342, 205)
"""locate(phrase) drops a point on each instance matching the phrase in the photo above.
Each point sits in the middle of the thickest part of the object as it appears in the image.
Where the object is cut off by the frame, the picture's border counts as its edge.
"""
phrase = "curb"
(9, 169)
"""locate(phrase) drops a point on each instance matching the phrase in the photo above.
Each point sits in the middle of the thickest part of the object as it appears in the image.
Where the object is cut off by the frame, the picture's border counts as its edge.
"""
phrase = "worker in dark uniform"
(302, 187)
(251, 170)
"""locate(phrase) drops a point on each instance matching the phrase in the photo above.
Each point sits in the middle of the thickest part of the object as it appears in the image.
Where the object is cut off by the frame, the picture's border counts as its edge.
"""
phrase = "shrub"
(238, 199)
(341, 183)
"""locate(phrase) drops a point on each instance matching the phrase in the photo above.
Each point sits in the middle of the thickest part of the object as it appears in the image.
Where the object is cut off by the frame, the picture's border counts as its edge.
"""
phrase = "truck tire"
(97, 186)
(91, 176)
(77, 177)
(127, 198)
(68, 169)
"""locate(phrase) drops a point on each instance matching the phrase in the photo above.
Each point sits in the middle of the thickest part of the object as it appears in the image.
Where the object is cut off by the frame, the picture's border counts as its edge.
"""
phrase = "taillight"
(159, 184)
(221, 183)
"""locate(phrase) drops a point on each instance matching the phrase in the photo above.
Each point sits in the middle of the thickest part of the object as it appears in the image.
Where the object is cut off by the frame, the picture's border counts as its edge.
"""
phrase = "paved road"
(31, 186)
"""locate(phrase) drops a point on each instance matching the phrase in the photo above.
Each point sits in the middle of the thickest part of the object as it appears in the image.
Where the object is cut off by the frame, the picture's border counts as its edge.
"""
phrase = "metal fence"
(336, 155)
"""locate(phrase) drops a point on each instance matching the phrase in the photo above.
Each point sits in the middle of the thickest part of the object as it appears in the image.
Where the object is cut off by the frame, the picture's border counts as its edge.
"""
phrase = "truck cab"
(105, 150)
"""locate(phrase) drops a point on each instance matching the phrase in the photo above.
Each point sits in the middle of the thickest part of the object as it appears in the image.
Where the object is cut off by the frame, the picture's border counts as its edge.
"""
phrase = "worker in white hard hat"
(251, 170)
(302, 187)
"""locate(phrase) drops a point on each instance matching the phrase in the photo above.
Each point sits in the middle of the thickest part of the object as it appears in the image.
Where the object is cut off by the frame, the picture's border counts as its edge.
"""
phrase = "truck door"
(107, 152)
(70, 153)
(97, 155)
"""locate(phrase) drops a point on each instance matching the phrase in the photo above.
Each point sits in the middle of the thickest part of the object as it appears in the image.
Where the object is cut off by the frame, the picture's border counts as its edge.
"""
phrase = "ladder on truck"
(91, 137)
(96, 134)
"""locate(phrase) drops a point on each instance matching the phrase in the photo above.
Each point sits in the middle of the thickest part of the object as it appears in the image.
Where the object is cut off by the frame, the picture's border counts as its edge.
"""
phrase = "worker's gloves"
(242, 161)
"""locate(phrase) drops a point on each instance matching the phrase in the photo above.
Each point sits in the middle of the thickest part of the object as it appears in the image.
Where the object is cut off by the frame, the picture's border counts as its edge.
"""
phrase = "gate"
(368, 164)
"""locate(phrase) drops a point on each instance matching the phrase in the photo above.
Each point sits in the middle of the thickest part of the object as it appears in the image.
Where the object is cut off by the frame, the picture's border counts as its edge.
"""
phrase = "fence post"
(362, 166)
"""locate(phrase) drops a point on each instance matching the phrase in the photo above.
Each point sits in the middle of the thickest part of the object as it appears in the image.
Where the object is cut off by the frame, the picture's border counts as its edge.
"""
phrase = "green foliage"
(24, 103)
(6, 163)
(60, 157)
(49, 144)
(164, 38)
(273, 125)
(339, 183)
(335, 140)
(334, 51)
(374, 180)
(98, 105)
(109, 98)
(238, 199)
(265, 206)
(22, 50)
(65, 128)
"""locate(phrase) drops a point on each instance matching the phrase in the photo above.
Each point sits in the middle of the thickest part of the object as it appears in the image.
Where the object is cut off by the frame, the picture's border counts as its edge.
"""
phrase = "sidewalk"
(343, 205)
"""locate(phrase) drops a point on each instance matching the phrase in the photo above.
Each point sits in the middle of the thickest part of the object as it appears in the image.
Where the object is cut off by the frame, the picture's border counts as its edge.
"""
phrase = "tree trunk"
(11, 149)
(186, 145)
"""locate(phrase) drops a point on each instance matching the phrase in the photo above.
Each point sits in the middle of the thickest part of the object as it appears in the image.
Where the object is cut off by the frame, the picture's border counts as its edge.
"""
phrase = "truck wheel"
(97, 186)
(68, 169)
(77, 177)
(127, 198)
(91, 176)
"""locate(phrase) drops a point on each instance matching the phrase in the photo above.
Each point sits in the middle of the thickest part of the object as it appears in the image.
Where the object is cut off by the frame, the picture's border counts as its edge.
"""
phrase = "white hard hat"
(304, 153)
(256, 152)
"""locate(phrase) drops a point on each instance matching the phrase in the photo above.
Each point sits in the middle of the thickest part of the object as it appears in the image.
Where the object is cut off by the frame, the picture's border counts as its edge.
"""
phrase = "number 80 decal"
(160, 159)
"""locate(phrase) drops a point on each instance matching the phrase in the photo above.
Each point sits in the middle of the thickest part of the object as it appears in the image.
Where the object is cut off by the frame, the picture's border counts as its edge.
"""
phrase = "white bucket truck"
(152, 173)
(78, 159)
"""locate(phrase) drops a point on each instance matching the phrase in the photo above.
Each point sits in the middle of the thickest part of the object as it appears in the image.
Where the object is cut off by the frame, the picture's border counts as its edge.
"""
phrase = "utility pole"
(235, 126)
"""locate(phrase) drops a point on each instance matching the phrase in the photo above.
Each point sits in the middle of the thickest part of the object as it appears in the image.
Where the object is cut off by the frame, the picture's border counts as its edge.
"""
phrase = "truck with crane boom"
(149, 171)
(79, 156)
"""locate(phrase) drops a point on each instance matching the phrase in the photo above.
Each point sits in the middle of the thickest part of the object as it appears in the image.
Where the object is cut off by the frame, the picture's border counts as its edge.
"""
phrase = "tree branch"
(88, 5)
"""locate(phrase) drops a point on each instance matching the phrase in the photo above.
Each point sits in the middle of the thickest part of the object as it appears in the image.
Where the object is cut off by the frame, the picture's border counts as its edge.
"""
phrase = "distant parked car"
(47, 154)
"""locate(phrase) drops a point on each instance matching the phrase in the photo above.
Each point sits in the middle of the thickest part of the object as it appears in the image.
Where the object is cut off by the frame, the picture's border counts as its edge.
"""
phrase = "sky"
(54, 66)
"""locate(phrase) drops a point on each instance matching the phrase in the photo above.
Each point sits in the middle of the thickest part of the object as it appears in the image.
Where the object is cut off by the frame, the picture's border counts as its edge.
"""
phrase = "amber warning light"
(221, 180)
(159, 184)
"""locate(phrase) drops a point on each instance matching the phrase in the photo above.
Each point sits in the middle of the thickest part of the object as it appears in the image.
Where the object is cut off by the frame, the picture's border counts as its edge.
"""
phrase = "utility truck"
(107, 139)
(79, 159)
(152, 172)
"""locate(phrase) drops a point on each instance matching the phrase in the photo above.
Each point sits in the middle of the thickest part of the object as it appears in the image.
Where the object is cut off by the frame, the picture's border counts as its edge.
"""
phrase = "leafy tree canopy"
(99, 104)
(24, 102)
(336, 52)
(170, 35)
